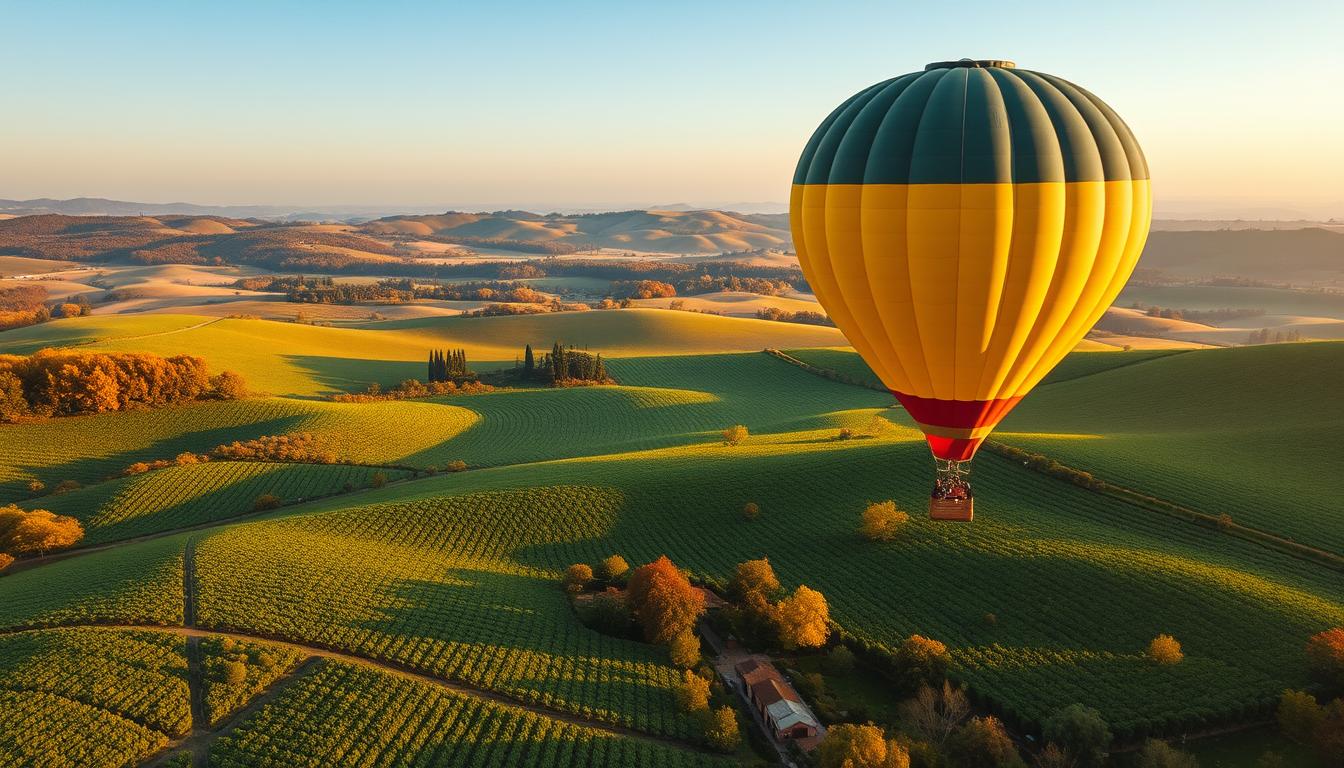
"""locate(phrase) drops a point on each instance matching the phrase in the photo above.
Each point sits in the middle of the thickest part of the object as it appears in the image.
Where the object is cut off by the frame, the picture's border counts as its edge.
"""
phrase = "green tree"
(721, 729)
(1160, 754)
(1082, 732)
(529, 363)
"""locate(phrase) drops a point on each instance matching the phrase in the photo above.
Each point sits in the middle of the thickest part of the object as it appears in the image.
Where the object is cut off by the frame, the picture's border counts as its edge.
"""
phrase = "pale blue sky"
(619, 103)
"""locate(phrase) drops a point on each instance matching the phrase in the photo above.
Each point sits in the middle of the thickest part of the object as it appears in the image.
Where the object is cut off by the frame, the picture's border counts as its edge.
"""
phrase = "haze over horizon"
(531, 106)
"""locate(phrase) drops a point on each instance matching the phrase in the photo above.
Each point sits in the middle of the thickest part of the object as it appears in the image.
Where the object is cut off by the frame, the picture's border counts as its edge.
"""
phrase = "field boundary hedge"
(825, 373)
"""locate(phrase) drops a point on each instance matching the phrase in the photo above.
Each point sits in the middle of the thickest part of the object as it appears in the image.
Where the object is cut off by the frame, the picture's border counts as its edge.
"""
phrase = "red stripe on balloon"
(955, 414)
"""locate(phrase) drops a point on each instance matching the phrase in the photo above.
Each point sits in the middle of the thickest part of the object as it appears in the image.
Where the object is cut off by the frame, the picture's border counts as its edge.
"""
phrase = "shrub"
(845, 433)
(186, 457)
(882, 520)
(684, 650)
(378, 479)
(721, 729)
(1159, 754)
(1329, 740)
(235, 672)
(228, 385)
(990, 619)
(735, 434)
(692, 692)
(840, 661)
(577, 577)
(982, 743)
(663, 600)
(456, 465)
(751, 510)
(65, 486)
(266, 501)
(613, 568)
(1325, 654)
(5, 561)
(1165, 650)
(1054, 756)
(1299, 716)
(298, 448)
(1081, 732)
(36, 487)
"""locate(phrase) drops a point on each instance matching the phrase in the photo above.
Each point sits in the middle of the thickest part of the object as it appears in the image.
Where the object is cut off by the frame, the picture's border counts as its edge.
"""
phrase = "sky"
(620, 104)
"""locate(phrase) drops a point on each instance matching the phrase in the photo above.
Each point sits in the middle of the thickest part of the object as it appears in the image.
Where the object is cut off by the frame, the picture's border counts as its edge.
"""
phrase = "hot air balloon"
(965, 227)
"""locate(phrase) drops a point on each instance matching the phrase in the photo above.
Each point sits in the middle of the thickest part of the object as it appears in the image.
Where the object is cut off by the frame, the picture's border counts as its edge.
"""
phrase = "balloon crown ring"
(971, 64)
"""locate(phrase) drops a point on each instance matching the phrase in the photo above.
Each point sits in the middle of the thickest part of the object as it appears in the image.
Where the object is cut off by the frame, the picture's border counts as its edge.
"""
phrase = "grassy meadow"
(455, 577)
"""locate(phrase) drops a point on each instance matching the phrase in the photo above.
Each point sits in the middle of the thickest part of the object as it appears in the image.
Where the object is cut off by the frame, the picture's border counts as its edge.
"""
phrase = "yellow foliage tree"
(804, 619)
(664, 601)
(577, 577)
(612, 568)
(721, 729)
(1165, 650)
(36, 532)
(684, 650)
(882, 521)
(692, 692)
(754, 576)
(5, 561)
(735, 434)
(860, 746)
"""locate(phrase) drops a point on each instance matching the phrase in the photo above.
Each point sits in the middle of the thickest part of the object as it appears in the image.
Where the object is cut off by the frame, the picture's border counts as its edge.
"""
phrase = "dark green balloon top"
(971, 122)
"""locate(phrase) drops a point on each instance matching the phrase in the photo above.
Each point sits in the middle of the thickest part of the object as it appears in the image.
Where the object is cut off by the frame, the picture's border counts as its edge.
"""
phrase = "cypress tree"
(529, 364)
(430, 376)
(601, 373)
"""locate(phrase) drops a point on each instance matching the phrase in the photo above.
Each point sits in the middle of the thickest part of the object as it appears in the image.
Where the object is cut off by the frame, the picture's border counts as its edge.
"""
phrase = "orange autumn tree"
(663, 600)
(1325, 653)
(36, 532)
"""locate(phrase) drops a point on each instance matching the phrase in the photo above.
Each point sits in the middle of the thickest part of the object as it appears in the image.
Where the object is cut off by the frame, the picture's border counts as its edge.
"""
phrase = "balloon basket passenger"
(951, 498)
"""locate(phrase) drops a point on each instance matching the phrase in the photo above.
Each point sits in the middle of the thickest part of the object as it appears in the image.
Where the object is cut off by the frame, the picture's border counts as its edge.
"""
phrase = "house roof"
(787, 714)
(754, 671)
(767, 692)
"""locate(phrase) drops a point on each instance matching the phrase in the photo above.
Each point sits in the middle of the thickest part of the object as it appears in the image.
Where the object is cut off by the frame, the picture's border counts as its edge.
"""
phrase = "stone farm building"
(776, 702)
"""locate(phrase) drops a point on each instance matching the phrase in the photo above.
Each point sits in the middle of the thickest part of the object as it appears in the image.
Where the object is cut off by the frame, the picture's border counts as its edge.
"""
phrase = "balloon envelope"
(965, 227)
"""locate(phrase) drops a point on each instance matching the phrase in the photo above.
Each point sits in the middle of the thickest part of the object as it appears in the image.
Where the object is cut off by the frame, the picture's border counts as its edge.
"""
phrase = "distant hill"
(1279, 255)
(660, 231)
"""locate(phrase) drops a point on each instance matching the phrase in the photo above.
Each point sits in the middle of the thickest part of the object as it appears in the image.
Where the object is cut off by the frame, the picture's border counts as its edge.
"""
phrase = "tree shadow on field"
(95, 469)
(349, 374)
(509, 632)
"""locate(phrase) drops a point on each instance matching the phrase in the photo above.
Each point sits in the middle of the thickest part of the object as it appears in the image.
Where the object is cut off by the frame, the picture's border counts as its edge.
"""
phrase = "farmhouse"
(776, 702)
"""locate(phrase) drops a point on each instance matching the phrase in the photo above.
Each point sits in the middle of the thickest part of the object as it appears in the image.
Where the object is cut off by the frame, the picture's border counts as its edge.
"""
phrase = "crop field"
(668, 401)
(132, 585)
(180, 496)
(1253, 432)
(89, 449)
(380, 720)
(263, 664)
(75, 697)
(431, 587)
(1075, 365)
(457, 576)
(1038, 555)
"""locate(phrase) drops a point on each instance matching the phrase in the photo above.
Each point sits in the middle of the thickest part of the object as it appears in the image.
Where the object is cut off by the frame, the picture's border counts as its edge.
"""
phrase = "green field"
(177, 497)
(90, 449)
(305, 360)
(456, 576)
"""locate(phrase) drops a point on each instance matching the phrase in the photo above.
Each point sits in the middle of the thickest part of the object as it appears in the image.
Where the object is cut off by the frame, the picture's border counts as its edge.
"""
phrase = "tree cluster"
(56, 383)
(1321, 726)
(448, 365)
(411, 389)
(802, 316)
(764, 617)
(23, 304)
(565, 366)
(35, 532)
(1263, 336)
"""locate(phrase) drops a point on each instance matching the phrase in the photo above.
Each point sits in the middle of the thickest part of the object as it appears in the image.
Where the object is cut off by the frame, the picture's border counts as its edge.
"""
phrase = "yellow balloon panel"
(968, 291)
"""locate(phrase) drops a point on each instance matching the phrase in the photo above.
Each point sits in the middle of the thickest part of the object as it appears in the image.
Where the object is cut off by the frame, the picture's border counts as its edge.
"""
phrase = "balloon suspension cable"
(952, 479)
